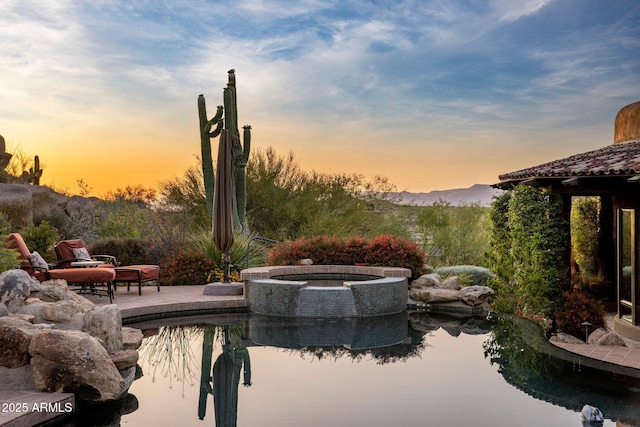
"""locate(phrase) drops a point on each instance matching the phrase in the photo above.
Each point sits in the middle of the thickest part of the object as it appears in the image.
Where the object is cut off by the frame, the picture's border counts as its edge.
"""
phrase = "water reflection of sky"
(450, 384)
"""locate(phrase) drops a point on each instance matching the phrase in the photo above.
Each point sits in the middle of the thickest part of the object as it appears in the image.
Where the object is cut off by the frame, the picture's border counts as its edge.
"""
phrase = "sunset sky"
(432, 94)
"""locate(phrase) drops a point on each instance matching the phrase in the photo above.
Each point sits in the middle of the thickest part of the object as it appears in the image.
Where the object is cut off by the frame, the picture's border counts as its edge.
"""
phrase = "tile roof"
(617, 159)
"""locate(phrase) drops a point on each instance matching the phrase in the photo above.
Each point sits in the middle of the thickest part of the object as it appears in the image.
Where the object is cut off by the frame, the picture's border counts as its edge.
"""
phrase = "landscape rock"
(565, 338)
(131, 338)
(612, 339)
(124, 359)
(74, 362)
(14, 288)
(596, 335)
(105, 323)
(15, 337)
(453, 282)
(434, 295)
(475, 295)
(26, 317)
(426, 281)
(56, 290)
(17, 378)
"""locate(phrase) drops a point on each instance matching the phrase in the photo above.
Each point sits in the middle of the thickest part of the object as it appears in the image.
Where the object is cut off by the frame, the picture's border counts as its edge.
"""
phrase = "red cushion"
(134, 273)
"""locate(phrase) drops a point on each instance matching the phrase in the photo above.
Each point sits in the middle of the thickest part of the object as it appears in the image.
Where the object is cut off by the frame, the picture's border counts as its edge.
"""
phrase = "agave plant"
(243, 255)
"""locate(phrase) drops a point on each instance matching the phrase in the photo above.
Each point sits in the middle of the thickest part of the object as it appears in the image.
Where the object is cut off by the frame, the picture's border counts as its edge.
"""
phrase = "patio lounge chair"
(86, 278)
(72, 251)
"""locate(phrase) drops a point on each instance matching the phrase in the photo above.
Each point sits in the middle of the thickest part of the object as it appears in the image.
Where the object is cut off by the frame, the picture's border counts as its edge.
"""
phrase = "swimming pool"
(427, 370)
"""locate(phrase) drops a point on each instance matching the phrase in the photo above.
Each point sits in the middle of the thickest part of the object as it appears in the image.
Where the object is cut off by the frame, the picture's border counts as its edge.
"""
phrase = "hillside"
(478, 193)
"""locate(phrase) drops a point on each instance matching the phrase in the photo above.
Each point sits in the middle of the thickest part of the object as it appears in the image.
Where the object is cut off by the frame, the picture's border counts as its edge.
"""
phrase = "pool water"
(442, 371)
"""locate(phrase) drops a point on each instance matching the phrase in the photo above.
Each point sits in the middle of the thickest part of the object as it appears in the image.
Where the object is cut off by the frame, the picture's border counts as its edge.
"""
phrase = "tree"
(453, 235)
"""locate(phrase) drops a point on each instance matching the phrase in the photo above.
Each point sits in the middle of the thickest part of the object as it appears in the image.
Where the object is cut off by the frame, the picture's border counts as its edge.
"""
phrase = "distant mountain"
(478, 193)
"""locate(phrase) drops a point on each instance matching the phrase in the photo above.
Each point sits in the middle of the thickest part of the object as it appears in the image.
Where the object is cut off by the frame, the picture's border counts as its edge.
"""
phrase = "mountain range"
(478, 193)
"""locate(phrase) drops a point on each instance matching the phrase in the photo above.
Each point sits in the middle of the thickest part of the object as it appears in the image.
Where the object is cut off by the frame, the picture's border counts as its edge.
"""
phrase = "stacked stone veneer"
(268, 291)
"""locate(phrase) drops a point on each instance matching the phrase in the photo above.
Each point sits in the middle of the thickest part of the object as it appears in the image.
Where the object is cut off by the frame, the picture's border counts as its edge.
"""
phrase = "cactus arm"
(247, 143)
(205, 151)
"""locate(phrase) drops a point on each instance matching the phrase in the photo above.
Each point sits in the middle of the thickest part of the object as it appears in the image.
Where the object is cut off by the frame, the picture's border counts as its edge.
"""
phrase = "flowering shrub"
(186, 268)
(385, 250)
(578, 306)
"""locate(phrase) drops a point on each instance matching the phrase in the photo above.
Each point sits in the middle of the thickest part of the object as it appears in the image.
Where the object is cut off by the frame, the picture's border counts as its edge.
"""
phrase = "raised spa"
(326, 290)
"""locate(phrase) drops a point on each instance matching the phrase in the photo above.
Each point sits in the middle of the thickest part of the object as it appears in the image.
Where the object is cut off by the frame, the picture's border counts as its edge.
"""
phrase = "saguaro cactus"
(35, 172)
(205, 147)
(4, 156)
(241, 150)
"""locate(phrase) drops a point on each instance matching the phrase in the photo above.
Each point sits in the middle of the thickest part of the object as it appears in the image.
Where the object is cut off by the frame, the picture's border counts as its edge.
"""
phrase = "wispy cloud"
(498, 72)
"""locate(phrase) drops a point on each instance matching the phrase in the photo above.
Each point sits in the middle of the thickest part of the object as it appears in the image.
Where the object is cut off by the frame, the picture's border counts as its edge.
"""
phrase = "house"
(613, 174)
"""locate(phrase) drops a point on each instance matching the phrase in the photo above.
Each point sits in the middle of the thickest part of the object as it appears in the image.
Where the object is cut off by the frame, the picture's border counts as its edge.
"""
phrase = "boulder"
(434, 295)
(4, 311)
(17, 204)
(426, 281)
(15, 337)
(56, 290)
(565, 338)
(131, 338)
(611, 338)
(74, 362)
(17, 378)
(55, 303)
(124, 359)
(105, 323)
(475, 295)
(596, 335)
(15, 287)
(453, 282)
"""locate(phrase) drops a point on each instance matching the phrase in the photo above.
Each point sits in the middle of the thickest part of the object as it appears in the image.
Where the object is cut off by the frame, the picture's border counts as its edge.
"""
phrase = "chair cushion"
(83, 275)
(36, 259)
(134, 273)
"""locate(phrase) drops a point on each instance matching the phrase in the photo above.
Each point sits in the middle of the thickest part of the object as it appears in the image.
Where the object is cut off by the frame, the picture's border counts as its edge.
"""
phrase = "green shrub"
(8, 257)
(576, 307)
(385, 250)
(529, 236)
(128, 251)
(187, 268)
(42, 239)
(478, 276)
(203, 242)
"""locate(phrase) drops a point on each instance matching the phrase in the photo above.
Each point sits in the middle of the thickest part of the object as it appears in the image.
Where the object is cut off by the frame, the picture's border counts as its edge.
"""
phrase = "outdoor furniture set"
(78, 267)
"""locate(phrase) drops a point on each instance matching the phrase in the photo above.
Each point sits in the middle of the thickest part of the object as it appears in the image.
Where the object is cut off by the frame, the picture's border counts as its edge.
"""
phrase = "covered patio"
(611, 173)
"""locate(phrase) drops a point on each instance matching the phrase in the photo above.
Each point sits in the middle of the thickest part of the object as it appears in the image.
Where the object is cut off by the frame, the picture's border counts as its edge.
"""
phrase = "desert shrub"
(576, 307)
(202, 241)
(41, 238)
(385, 250)
(393, 251)
(477, 276)
(128, 251)
(453, 234)
(597, 287)
(186, 268)
(8, 257)
(354, 250)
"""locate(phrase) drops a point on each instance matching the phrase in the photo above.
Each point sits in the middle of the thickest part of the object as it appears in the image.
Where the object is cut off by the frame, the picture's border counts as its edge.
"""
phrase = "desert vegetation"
(516, 246)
